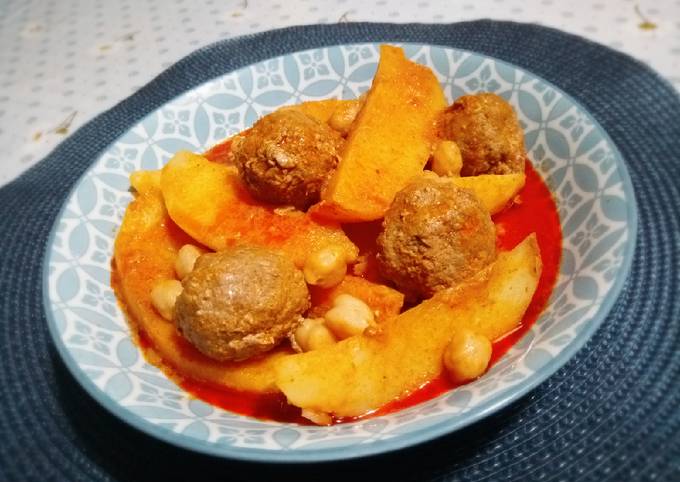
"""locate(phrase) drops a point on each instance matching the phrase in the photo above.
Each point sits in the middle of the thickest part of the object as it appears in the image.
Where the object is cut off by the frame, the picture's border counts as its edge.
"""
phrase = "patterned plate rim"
(494, 404)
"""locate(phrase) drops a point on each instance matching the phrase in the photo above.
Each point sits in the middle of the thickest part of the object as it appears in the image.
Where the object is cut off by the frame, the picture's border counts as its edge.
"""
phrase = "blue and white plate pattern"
(567, 146)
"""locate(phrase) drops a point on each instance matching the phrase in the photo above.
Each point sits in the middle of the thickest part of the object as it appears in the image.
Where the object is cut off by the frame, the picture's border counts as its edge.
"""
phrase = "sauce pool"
(534, 211)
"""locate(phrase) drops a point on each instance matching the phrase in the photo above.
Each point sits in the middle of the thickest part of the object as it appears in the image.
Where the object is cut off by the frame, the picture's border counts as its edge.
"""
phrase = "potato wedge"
(208, 201)
(497, 307)
(144, 253)
(495, 191)
(409, 350)
(390, 140)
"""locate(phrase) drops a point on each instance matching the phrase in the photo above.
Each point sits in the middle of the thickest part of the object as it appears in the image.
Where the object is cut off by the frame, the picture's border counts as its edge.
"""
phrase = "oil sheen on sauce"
(534, 211)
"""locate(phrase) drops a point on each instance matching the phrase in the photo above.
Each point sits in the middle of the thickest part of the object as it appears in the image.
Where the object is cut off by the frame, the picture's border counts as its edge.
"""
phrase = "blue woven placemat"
(612, 413)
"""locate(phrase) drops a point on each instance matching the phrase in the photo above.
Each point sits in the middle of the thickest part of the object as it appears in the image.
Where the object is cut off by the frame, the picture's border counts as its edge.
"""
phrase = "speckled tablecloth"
(610, 414)
(64, 61)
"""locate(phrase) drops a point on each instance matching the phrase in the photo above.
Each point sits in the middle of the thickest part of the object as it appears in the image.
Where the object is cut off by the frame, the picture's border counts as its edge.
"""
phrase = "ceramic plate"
(566, 145)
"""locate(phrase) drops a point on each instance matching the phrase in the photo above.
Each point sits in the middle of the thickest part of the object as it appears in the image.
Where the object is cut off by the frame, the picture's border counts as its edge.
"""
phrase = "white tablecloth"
(64, 61)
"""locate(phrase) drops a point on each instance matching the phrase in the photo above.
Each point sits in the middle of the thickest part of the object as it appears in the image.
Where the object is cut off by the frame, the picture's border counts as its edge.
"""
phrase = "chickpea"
(344, 115)
(447, 159)
(319, 337)
(186, 258)
(312, 334)
(325, 268)
(349, 316)
(164, 295)
(467, 355)
(300, 336)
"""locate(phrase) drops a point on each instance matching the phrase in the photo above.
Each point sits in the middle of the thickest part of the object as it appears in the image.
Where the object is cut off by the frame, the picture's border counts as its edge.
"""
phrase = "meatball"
(240, 302)
(487, 132)
(286, 158)
(434, 236)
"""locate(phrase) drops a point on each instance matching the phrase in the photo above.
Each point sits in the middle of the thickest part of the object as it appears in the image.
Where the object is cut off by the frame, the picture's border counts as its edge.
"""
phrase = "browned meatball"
(286, 158)
(434, 236)
(240, 302)
(487, 132)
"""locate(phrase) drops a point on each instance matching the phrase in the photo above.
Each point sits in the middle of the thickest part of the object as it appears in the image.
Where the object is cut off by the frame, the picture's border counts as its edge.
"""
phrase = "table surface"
(64, 61)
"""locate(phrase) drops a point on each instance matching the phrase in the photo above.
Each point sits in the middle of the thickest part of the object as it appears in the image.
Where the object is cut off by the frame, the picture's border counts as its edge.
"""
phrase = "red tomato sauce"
(534, 211)
(219, 153)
